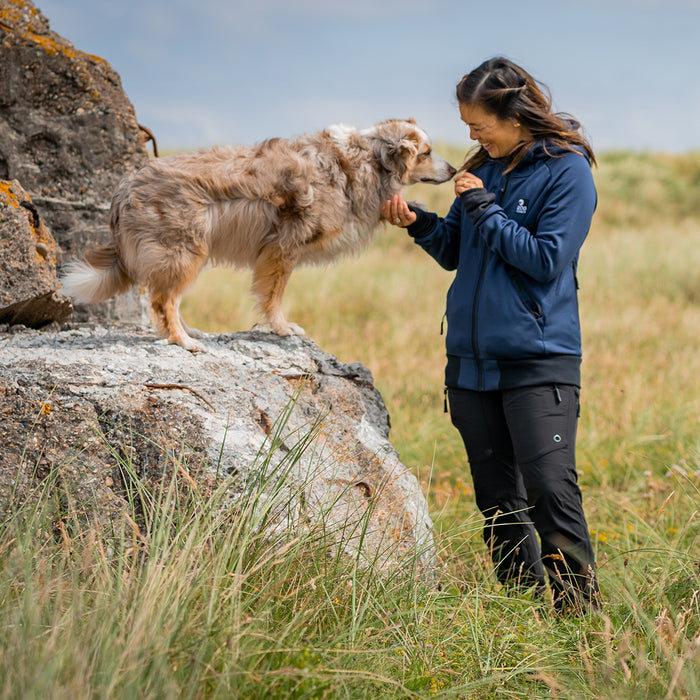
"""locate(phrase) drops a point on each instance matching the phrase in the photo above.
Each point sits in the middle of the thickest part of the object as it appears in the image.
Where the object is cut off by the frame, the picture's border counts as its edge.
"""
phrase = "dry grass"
(235, 619)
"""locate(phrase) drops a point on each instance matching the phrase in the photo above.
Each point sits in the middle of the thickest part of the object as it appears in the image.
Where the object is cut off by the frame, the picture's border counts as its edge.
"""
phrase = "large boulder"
(28, 284)
(68, 134)
(256, 411)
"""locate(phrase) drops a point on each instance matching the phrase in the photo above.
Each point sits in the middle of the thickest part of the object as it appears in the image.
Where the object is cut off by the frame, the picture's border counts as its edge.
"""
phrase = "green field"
(215, 611)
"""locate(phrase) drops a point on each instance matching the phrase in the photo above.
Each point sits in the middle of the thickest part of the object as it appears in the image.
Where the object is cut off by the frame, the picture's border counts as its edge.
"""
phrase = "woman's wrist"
(476, 201)
(423, 223)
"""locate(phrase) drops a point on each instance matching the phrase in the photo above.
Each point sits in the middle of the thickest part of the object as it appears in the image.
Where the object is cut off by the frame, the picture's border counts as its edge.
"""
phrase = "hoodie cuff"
(476, 202)
(423, 224)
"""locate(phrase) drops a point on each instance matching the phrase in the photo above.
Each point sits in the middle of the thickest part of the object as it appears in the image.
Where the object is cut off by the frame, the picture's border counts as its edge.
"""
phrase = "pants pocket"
(541, 419)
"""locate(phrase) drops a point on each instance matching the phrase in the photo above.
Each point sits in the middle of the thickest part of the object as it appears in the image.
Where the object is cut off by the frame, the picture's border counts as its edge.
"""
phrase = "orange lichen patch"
(49, 45)
(23, 5)
(7, 194)
(10, 14)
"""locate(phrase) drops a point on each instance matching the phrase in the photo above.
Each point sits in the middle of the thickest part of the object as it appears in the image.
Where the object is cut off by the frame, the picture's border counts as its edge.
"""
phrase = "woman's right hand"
(396, 212)
(467, 181)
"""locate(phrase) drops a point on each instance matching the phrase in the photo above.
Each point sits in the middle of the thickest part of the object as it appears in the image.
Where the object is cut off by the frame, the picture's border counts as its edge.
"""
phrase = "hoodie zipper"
(477, 294)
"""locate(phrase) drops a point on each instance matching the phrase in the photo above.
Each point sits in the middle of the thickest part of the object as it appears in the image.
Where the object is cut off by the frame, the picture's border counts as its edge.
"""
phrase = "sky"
(204, 72)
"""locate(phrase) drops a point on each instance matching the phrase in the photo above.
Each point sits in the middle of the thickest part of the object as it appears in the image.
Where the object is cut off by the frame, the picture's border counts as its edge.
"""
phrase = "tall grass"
(200, 605)
(196, 596)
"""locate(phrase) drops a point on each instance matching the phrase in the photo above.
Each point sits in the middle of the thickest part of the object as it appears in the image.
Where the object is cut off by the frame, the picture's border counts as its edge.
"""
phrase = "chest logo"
(521, 207)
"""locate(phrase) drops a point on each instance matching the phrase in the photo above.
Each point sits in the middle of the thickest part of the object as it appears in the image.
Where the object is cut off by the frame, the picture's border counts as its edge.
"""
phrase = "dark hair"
(504, 89)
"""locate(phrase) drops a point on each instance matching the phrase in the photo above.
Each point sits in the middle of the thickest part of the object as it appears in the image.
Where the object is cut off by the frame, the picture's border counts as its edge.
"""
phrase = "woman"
(524, 204)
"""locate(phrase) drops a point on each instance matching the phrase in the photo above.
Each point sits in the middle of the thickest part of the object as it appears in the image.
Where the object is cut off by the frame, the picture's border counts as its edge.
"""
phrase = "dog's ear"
(408, 147)
(397, 154)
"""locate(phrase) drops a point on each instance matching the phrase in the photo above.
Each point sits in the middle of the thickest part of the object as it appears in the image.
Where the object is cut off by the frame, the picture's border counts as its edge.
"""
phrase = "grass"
(196, 604)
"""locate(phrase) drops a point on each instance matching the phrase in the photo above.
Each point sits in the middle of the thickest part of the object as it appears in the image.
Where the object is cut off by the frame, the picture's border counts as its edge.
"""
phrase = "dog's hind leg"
(271, 273)
(165, 292)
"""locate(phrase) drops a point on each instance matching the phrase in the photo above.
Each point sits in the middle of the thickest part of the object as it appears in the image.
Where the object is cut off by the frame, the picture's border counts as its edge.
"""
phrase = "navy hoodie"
(512, 310)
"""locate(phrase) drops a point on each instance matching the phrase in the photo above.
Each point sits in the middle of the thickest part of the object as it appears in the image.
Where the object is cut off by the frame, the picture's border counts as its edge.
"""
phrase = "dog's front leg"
(271, 273)
(166, 313)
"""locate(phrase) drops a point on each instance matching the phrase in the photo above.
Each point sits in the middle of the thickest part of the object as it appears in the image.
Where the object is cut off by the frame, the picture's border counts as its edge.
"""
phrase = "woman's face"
(499, 137)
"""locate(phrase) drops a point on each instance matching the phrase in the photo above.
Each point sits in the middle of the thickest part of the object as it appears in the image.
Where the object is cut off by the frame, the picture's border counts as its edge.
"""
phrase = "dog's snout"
(443, 171)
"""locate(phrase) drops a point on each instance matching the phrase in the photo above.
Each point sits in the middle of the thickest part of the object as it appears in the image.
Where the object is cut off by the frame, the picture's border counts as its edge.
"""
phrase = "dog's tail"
(97, 278)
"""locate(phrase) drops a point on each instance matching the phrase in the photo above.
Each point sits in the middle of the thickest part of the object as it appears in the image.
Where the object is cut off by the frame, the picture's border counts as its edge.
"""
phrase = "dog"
(270, 207)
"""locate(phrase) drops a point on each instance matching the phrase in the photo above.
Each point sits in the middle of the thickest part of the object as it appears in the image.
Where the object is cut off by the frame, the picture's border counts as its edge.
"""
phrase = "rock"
(28, 281)
(78, 404)
(68, 134)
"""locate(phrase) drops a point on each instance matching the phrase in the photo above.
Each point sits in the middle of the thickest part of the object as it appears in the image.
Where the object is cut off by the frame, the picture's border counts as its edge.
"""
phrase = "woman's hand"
(467, 181)
(396, 212)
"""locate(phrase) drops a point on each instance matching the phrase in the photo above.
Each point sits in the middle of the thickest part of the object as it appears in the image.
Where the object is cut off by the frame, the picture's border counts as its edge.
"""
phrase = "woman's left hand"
(397, 212)
(467, 181)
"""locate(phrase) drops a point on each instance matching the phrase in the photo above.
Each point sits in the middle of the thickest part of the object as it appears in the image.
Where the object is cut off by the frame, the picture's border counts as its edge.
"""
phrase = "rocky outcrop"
(91, 414)
(68, 134)
(28, 281)
(79, 406)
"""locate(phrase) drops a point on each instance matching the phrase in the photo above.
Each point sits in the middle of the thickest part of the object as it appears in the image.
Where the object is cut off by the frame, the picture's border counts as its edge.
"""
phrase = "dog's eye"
(426, 154)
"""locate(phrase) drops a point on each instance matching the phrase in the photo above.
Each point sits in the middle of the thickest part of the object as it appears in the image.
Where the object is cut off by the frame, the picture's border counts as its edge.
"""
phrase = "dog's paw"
(188, 343)
(196, 348)
(288, 329)
(261, 327)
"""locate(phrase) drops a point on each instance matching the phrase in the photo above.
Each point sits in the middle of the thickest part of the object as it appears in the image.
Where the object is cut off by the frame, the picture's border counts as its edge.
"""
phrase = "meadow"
(201, 606)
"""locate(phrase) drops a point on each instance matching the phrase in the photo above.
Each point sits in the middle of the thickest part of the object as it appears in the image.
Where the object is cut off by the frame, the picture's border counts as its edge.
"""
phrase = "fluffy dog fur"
(270, 207)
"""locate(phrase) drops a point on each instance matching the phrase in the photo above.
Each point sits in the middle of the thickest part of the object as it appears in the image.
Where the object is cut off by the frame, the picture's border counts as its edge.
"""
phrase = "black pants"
(521, 448)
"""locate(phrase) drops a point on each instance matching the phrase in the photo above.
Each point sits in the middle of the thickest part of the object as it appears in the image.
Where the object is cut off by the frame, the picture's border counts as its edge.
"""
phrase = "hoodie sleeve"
(562, 226)
(440, 238)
